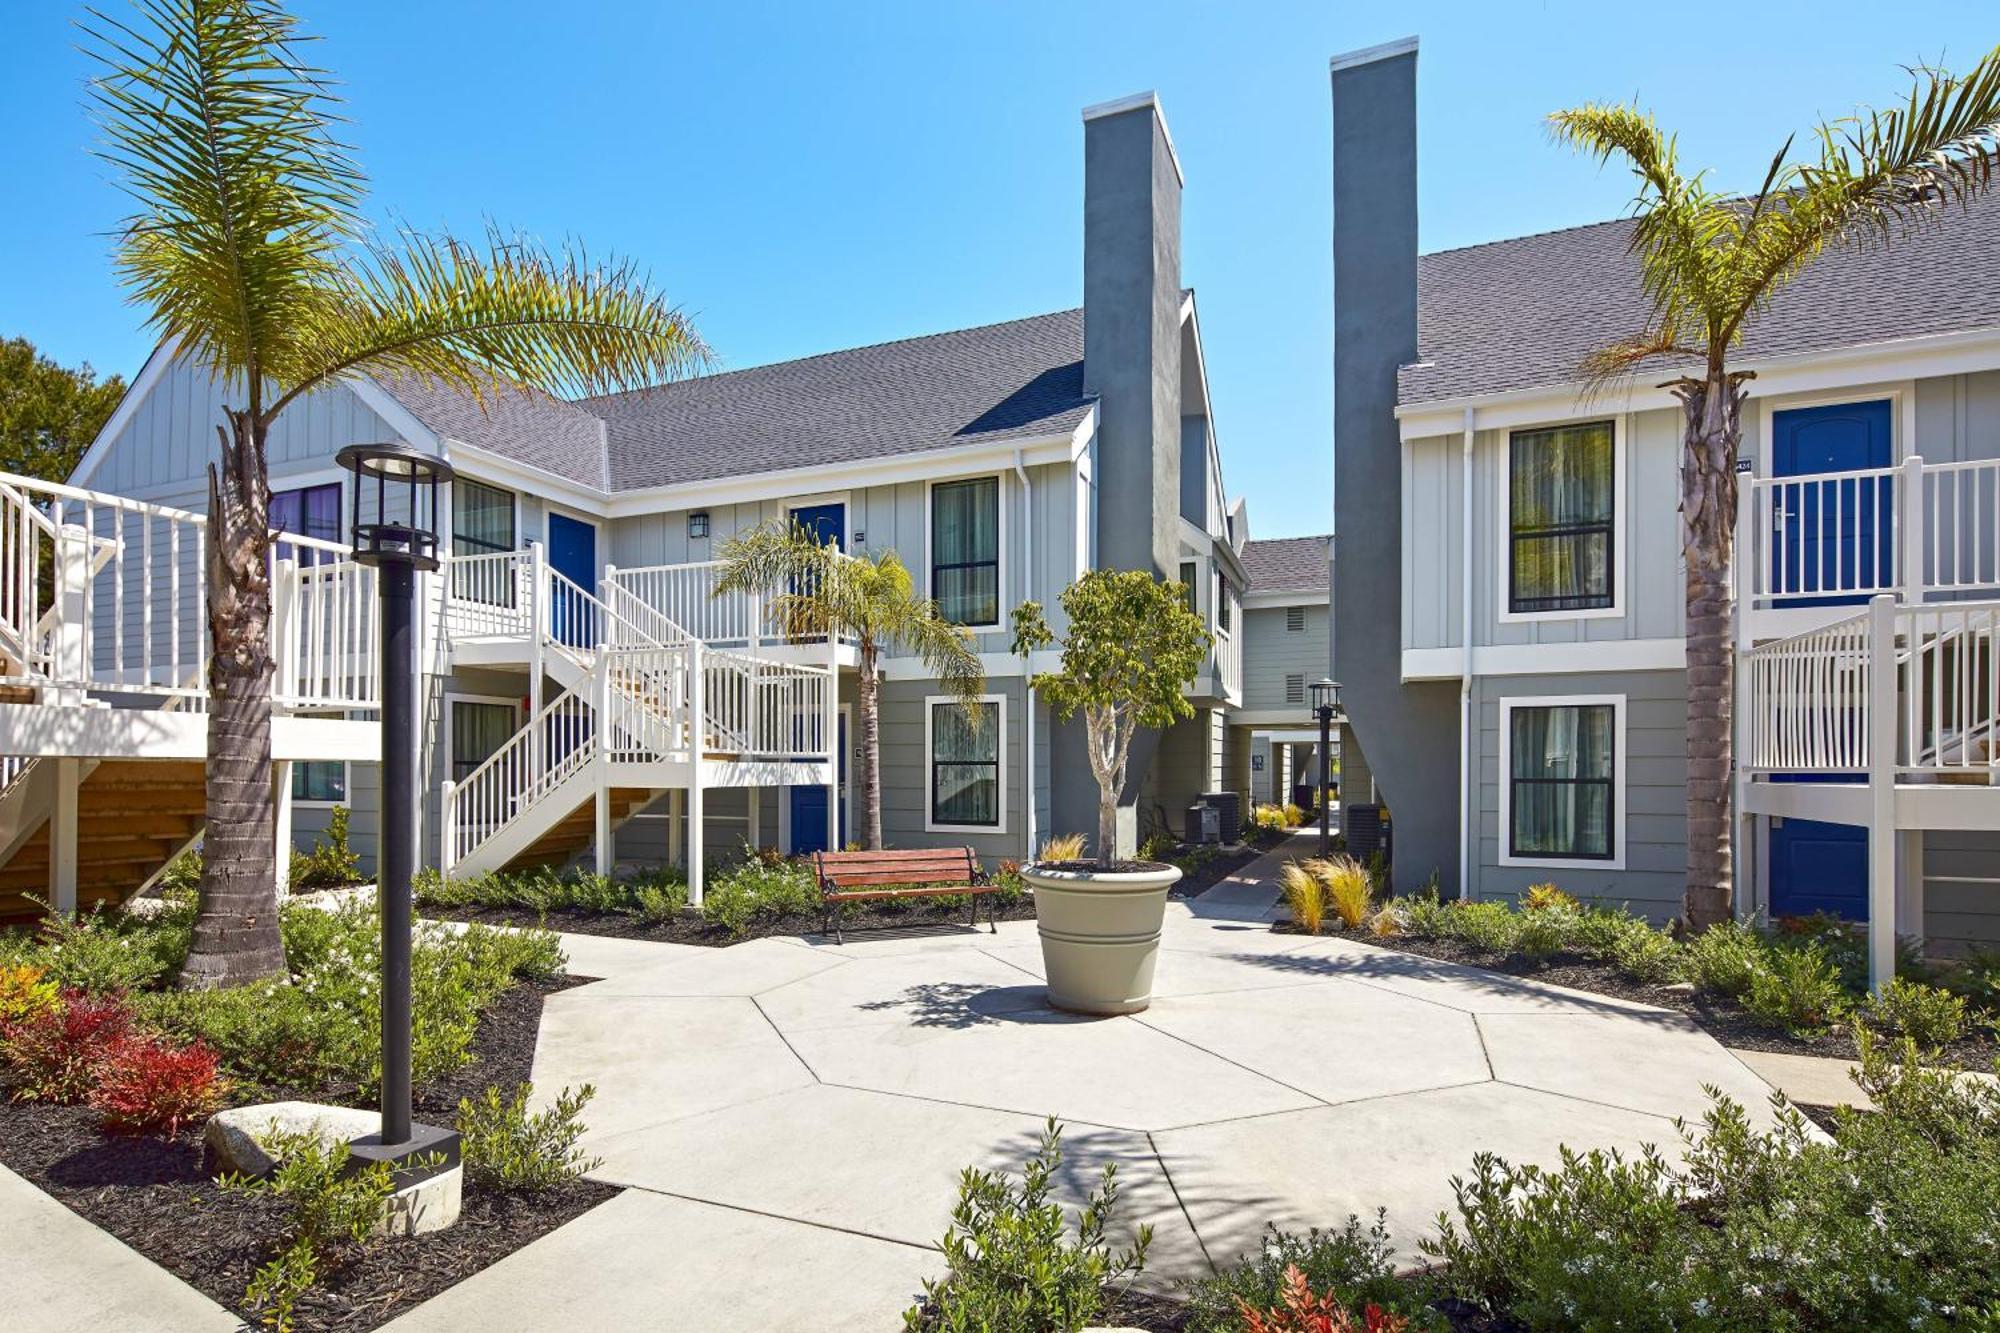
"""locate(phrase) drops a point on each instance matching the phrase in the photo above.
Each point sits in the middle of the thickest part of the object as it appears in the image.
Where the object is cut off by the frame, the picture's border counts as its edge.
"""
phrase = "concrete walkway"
(61, 1274)
(791, 1114)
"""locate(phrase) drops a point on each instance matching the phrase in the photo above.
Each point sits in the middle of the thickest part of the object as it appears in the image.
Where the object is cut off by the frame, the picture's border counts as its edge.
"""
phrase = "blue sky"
(811, 177)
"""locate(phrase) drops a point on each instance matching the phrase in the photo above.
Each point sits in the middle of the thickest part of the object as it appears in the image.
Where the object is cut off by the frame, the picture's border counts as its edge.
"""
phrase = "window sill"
(986, 829)
(1564, 862)
(1592, 613)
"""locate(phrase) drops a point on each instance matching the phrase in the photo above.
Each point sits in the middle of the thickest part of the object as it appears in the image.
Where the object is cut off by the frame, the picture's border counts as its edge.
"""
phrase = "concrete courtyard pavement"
(791, 1115)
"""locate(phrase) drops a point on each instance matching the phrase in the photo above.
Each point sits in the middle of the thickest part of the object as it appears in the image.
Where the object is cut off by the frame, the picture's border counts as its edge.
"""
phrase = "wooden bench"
(923, 872)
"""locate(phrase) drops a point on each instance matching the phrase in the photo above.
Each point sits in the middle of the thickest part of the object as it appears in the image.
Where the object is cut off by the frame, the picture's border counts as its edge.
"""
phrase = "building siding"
(1961, 890)
(1271, 652)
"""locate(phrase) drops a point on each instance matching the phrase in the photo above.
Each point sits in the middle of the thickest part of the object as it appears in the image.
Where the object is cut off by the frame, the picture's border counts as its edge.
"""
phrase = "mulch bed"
(155, 1195)
(692, 929)
(1719, 1017)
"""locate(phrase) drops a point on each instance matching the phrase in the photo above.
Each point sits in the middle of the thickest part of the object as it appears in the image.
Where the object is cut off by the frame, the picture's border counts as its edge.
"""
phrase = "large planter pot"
(1100, 934)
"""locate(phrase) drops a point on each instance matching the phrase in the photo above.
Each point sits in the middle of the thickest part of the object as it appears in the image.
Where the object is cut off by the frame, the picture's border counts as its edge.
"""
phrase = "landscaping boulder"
(238, 1137)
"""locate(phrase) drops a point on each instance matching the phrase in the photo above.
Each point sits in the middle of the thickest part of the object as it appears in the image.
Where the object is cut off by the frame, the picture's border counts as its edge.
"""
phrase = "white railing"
(765, 710)
(685, 595)
(489, 596)
(556, 744)
(646, 691)
(1951, 687)
(1808, 701)
(1919, 530)
(325, 626)
(630, 613)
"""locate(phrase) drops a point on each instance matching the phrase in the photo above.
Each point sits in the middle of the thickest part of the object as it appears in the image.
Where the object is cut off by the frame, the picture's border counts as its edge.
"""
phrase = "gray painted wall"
(1409, 731)
(1654, 768)
(1271, 652)
(1961, 890)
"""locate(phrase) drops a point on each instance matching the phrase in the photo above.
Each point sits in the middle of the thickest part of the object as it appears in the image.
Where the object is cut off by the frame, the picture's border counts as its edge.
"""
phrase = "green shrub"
(1011, 1265)
(1975, 978)
(1643, 954)
(508, 1148)
(182, 875)
(1422, 915)
(109, 951)
(655, 896)
(1542, 932)
(1798, 988)
(760, 887)
(1927, 1015)
(1597, 929)
(332, 1208)
(1488, 926)
(1356, 1265)
(1888, 1223)
(1724, 959)
(331, 864)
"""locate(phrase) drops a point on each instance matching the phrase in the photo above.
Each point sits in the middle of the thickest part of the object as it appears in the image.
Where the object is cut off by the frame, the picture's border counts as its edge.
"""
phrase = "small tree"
(1132, 649)
(818, 590)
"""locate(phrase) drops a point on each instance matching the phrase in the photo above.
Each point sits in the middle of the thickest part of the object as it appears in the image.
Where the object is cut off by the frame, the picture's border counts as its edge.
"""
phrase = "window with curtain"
(1188, 576)
(965, 550)
(965, 765)
(1561, 505)
(477, 730)
(482, 523)
(307, 511)
(320, 780)
(1561, 778)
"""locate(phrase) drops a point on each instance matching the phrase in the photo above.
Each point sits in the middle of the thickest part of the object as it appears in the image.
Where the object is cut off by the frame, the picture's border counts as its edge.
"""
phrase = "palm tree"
(1709, 263)
(818, 591)
(249, 254)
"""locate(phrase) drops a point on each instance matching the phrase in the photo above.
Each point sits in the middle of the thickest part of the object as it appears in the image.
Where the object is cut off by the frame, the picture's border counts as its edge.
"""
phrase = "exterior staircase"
(133, 817)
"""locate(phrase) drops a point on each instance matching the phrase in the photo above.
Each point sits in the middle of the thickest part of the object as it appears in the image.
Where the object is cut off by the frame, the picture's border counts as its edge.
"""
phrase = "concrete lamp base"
(428, 1175)
(1100, 934)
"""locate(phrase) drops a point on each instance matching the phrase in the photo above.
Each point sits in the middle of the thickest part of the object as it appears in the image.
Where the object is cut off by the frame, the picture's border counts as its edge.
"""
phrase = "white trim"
(1369, 54)
(1503, 596)
(444, 724)
(819, 500)
(1901, 396)
(1547, 659)
(931, 702)
(450, 534)
(121, 416)
(1619, 768)
(553, 509)
(1897, 359)
(1278, 597)
(497, 470)
(1001, 509)
(1120, 105)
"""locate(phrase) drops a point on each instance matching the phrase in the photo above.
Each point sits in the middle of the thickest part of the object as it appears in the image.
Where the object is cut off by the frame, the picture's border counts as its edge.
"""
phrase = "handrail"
(1808, 700)
(555, 744)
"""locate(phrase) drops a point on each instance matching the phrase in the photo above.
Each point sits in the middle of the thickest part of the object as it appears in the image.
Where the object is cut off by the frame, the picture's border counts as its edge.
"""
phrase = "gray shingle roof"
(515, 422)
(1016, 380)
(1522, 313)
(1288, 564)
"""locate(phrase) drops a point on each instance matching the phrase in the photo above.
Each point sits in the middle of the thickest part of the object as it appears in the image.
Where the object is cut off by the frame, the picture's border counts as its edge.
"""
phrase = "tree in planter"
(250, 254)
(816, 590)
(1132, 649)
(1709, 263)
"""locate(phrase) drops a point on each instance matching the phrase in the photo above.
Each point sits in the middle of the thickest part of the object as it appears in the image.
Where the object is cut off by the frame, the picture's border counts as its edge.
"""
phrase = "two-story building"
(589, 697)
(1509, 600)
(1286, 647)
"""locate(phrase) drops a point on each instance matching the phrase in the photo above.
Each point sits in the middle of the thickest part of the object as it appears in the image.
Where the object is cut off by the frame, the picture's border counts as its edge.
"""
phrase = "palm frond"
(513, 313)
(1613, 363)
(223, 136)
(1879, 174)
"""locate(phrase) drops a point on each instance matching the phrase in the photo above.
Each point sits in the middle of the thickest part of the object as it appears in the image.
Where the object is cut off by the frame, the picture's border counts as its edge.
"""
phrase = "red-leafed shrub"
(1304, 1312)
(150, 1086)
(58, 1054)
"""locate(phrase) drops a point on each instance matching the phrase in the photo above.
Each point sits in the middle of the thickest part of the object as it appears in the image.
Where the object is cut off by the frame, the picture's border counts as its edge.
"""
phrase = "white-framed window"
(965, 751)
(1563, 536)
(965, 540)
(318, 782)
(1562, 781)
(476, 725)
(484, 521)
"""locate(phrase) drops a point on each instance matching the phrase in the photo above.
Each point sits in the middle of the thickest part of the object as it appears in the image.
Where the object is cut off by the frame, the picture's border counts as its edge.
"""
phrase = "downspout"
(1467, 826)
(1027, 582)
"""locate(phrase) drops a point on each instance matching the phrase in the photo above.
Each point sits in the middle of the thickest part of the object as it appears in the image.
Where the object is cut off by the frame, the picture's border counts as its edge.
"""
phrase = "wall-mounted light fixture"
(698, 524)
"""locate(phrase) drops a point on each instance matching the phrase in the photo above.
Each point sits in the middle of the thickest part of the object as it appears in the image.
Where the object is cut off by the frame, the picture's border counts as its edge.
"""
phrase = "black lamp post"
(394, 517)
(1325, 698)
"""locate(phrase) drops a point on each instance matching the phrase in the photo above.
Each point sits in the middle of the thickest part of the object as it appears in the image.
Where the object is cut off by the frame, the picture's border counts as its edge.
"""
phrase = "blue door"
(1833, 535)
(809, 808)
(573, 554)
(827, 523)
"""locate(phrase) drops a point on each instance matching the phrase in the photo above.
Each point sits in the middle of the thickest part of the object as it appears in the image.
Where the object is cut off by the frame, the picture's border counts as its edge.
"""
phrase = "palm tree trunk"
(236, 927)
(870, 689)
(1713, 407)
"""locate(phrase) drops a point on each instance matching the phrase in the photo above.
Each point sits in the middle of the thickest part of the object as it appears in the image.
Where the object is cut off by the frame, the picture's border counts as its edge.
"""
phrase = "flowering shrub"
(1542, 896)
(106, 953)
(58, 1054)
(149, 1085)
(25, 990)
(1304, 1312)
(1354, 1267)
(1285, 816)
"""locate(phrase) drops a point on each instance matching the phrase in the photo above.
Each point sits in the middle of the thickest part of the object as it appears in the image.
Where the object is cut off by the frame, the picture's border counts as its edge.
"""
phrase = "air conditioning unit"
(1203, 825)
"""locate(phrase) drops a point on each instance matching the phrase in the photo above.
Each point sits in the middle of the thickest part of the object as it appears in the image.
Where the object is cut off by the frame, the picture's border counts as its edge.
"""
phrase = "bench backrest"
(922, 865)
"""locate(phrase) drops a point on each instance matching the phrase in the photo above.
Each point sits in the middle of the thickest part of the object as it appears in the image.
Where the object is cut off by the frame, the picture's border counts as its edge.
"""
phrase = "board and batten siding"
(1647, 540)
(1652, 765)
(1271, 652)
(906, 773)
(883, 518)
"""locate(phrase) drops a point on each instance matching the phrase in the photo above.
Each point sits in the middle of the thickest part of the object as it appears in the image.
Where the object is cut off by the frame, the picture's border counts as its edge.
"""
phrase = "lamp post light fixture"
(393, 511)
(1325, 700)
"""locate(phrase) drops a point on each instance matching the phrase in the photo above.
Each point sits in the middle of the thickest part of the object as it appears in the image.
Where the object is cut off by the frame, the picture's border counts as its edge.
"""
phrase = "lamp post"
(1325, 698)
(394, 517)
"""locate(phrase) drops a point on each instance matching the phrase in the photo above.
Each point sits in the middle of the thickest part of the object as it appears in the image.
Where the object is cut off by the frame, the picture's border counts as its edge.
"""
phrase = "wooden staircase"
(573, 834)
(133, 816)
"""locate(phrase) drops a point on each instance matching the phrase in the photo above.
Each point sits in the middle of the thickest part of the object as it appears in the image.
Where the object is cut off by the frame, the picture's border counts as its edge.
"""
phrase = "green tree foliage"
(1131, 650)
(49, 413)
